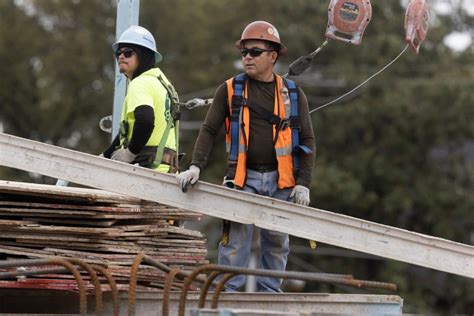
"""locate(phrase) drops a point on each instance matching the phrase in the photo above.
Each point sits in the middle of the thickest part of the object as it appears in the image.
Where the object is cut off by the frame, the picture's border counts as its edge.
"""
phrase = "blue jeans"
(274, 246)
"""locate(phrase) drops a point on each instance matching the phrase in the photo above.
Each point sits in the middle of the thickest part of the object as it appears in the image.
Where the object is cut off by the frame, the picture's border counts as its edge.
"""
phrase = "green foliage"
(398, 151)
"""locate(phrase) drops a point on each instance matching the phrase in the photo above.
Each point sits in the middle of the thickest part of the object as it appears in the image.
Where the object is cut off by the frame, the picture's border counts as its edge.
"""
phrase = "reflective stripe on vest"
(237, 154)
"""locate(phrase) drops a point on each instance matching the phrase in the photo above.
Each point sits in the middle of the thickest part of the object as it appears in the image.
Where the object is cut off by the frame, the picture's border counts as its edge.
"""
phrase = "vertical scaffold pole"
(127, 15)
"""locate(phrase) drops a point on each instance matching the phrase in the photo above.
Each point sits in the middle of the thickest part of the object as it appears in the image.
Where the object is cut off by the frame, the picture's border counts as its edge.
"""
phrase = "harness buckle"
(284, 124)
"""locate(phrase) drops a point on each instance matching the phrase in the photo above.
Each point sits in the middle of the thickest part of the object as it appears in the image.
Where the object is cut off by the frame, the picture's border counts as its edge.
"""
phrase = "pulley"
(347, 20)
(416, 24)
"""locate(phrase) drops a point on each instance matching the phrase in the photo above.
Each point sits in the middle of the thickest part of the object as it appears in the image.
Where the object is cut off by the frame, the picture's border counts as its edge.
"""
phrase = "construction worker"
(270, 146)
(147, 134)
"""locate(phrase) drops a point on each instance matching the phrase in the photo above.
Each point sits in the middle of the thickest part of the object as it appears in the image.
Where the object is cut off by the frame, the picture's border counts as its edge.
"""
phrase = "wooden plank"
(80, 207)
(101, 223)
(97, 247)
(62, 193)
(62, 229)
(119, 208)
(90, 215)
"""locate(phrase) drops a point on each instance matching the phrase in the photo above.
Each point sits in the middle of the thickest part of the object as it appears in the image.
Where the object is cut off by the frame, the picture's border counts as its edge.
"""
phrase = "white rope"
(360, 85)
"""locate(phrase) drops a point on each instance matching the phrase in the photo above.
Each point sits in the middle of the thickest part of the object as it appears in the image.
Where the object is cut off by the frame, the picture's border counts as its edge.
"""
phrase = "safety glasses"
(254, 52)
(127, 52)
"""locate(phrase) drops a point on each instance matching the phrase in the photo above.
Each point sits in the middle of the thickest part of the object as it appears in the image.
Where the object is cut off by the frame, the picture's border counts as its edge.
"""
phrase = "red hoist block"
(416, 24)
(347, 20)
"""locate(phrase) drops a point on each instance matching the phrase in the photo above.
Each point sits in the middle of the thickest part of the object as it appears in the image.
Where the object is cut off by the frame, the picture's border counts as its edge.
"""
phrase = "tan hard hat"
(261, 30)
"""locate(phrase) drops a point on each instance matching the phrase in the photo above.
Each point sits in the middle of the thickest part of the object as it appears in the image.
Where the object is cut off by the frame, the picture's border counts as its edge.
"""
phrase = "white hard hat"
(139, 36)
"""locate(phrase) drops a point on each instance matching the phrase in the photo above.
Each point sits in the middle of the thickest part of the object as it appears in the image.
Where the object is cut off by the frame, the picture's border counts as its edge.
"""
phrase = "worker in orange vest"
(270, 146)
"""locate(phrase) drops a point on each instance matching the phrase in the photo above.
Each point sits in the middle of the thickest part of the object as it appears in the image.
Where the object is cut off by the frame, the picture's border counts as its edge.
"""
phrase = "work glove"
(124, 155)
(300, 194)
(188, 177)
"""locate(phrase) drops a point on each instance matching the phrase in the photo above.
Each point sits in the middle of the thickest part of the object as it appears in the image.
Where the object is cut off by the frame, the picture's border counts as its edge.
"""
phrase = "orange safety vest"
(237, 169)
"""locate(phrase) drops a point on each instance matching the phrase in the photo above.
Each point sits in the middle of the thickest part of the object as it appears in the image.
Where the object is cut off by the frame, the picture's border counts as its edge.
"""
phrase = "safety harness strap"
(238, 100)
(297, 149)
(172, 117)
(264, 113)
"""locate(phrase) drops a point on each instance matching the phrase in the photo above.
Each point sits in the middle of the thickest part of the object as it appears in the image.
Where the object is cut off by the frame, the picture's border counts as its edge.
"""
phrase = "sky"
(456, 40)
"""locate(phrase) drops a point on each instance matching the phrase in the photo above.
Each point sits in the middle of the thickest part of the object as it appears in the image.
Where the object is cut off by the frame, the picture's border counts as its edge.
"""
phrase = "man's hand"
(188, 177)
(301, 195)
(124, 155)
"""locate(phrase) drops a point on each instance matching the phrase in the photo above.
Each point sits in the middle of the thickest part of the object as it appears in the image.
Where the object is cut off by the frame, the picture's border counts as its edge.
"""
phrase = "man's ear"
(274, 56)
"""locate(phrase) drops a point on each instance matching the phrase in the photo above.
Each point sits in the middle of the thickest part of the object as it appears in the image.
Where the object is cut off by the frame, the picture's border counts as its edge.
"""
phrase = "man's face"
(258, 60)
(127, 60)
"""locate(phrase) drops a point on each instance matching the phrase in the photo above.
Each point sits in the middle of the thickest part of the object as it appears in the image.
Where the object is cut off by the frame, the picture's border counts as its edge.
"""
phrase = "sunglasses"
(127, 52)
(254, 52)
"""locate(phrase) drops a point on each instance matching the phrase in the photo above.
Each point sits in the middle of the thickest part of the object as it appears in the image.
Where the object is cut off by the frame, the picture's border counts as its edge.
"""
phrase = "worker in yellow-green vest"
(148, 129)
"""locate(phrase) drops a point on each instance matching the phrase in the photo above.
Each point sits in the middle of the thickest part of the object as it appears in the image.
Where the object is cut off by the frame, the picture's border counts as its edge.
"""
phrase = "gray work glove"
(188, 177)
(300, 194)
(124, 155)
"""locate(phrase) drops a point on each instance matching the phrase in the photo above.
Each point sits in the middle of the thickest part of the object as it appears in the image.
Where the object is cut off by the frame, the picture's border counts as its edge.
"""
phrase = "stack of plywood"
(41, 221)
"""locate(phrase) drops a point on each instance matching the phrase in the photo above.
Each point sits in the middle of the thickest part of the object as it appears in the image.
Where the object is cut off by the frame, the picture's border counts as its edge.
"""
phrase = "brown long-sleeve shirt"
(260, 149)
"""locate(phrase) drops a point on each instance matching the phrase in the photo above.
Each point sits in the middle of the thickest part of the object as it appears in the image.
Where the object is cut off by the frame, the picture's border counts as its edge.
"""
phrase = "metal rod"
(165, 307)
(54, 261)
(133, 283)
(232, 271)
(99, 306)
(113, 287)
(205, 289)
(27, 273)
(163, 267)
(220, 287)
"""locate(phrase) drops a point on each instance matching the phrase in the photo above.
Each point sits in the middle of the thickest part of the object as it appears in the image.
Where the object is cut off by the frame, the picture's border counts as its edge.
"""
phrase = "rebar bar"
(165, 308)
(326, 278)
(113, 287)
